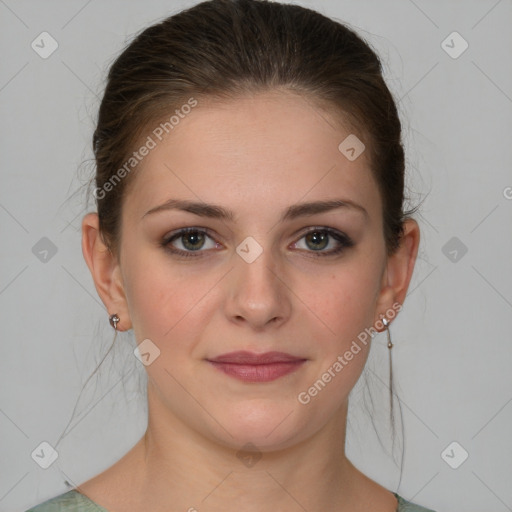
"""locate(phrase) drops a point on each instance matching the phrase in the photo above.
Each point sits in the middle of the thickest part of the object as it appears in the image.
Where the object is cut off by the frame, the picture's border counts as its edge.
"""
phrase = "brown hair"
(224, 48)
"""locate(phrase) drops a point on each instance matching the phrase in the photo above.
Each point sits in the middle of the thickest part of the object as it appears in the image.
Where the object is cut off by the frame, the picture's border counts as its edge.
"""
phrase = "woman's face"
(252, 280)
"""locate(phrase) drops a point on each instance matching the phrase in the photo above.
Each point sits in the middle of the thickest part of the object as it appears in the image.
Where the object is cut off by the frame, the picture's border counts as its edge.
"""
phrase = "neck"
(178, 465)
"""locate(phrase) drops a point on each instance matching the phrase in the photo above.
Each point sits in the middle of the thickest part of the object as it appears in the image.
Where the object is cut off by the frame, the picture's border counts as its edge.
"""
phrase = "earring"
(113, 319)
(386, 322)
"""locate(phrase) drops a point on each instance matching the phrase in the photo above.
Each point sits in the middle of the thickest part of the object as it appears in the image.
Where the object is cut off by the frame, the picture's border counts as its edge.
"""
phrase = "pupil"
(318, 237)
(195, 237)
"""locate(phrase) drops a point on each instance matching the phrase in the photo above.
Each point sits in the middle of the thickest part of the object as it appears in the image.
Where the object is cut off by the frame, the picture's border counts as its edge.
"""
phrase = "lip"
(251, 367)
(252, 358)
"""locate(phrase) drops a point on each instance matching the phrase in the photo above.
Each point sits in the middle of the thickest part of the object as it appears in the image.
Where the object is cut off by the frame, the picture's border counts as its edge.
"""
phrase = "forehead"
(269, 149)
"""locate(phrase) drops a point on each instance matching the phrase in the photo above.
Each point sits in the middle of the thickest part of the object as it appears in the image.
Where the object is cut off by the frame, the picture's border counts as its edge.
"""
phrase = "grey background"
(453, 351)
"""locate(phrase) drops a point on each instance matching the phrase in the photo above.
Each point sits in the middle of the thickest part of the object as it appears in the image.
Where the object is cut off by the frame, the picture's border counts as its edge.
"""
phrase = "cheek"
(343, 302)
(344, 307)
(163, 299)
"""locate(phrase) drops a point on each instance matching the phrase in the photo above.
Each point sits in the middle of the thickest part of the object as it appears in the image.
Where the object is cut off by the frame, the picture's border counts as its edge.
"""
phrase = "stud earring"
(113, 319)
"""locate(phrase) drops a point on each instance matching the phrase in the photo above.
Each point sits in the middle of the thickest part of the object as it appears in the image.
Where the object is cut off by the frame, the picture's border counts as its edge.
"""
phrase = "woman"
(250, 230)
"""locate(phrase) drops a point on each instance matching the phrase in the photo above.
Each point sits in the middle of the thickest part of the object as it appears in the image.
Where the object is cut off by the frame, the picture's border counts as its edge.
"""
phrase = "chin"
(262, 429)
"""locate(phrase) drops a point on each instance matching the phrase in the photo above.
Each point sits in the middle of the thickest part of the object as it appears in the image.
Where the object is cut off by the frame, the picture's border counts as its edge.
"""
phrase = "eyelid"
(178, 233)
(341, 237)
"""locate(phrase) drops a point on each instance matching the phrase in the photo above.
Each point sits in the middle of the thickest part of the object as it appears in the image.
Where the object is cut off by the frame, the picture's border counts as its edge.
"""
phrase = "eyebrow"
(292, 212)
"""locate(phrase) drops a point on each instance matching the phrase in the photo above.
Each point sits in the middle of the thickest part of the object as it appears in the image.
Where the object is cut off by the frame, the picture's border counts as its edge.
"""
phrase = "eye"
(192, 240)
(318, 238)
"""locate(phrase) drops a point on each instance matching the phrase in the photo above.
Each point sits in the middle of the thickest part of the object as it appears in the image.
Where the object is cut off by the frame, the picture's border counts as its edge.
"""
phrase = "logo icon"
(249, 455)
(45, 455)
(44, 250)
(249, 249)
(454, 455)
(454, 249)
(454, 45)
(351, 147)
(44, 45)
(146, 352)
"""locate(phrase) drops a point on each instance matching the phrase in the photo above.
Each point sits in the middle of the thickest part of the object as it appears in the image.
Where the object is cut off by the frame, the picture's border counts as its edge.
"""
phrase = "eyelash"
(344, 241)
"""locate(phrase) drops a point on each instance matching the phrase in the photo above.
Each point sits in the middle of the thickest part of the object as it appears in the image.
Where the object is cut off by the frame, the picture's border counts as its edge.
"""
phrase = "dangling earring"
(386, 322)
(113, 319)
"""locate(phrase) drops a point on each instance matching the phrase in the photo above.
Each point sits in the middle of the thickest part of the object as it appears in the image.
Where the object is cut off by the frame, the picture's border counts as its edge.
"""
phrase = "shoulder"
(71, 501)
(407, 506)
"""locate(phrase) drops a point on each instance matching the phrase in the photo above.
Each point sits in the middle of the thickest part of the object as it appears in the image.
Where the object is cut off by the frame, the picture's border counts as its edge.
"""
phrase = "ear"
(105, 271)
(398, 272)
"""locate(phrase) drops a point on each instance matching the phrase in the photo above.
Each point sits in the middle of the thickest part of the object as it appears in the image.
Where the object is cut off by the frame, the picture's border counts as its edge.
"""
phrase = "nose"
(258, 294)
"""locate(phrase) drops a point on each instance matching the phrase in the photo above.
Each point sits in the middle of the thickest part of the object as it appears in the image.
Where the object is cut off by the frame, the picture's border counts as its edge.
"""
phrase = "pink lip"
(250, 367)
(245, 357)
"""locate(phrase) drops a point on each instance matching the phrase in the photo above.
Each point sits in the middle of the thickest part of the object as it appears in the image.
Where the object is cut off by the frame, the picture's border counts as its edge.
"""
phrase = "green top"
(74, 501)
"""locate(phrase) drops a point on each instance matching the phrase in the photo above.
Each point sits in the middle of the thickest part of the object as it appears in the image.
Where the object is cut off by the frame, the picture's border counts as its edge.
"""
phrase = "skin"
(256, 156)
